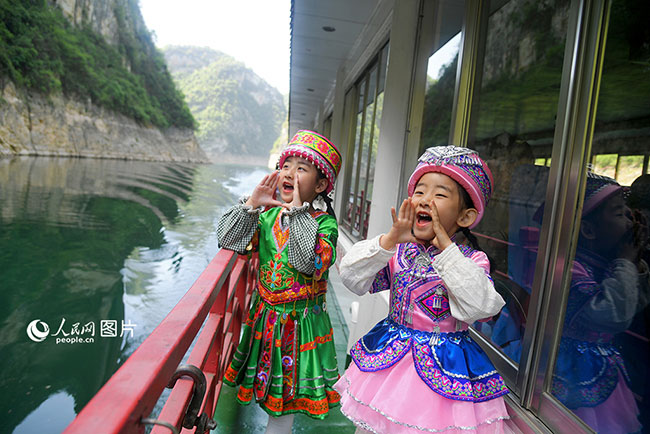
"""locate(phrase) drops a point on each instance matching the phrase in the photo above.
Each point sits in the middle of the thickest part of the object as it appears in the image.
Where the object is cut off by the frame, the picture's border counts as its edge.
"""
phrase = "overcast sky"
(255, 32)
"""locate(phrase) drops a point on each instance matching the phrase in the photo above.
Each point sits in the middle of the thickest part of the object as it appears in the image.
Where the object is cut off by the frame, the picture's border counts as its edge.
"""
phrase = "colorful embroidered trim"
(417, 427)
(382, 281)
(371, 362)
(317, 150)
(311, 406)
(289, 359)
(432, 374)
(265, 363)
(280, 235)
(319, 340)
(434, 303)
(307, 405)
(323, 258)
(294, 293)
(230, 376)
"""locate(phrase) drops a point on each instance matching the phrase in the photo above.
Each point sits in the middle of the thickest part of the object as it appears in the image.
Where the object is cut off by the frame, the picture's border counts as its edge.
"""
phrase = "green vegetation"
(40, 50)
(237, 111)
(523, 101)
(438, 105)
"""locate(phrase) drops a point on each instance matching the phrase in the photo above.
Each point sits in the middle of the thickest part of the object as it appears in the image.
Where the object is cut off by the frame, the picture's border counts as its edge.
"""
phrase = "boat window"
(364, 103)
(441, 74)
(513, 123)
(601, 369)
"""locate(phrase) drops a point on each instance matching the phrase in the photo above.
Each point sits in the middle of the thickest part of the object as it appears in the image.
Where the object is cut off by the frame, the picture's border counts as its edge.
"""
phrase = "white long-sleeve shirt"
(470, 290)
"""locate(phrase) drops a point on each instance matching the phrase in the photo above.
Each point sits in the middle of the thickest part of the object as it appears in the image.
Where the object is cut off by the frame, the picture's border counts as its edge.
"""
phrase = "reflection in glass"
(441, 76)
(607, 280)
(513, 125)
(602, 371)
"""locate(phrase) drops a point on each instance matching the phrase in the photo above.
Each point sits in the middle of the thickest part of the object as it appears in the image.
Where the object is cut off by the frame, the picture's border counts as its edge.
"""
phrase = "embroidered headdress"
(317, 150)
(464, 166)
(599, 188)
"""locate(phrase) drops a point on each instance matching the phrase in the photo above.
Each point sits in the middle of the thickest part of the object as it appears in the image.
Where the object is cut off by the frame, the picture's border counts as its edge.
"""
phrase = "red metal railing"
(221, 294)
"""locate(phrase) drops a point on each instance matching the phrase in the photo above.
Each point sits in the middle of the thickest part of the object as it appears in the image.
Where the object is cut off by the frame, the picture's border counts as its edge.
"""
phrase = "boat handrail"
(131, 393)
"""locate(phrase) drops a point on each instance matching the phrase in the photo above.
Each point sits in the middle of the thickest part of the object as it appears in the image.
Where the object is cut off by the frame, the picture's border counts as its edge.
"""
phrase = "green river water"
(93, 255)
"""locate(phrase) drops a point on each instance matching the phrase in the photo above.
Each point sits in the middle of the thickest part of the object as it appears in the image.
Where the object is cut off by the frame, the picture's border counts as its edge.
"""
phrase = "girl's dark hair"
(469, 203)
(326, 198)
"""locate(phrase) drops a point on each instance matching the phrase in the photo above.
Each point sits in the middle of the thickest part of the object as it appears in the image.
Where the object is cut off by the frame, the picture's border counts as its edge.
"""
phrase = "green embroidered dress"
(286, 359)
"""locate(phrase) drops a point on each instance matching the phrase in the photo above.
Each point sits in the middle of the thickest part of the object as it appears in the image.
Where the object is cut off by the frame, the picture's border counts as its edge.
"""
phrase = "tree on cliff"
(40, 50)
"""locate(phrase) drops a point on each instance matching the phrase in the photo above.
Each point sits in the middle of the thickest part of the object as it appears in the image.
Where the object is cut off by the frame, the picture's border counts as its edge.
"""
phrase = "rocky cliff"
(31, 124)
(35, 123)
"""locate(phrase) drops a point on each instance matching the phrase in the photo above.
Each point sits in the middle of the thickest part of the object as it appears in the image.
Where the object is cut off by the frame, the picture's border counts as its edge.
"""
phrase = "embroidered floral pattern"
(280, 235)
(273, 275)
(481, 388)
(289, 347)
(391, 354)
(264, 366)
(323, 257)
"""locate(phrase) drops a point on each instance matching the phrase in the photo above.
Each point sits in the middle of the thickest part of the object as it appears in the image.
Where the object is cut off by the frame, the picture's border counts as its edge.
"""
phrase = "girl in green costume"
(286, 359)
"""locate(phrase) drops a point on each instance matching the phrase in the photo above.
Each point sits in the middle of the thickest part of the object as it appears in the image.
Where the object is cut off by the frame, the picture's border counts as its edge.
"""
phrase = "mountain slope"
(239, 114)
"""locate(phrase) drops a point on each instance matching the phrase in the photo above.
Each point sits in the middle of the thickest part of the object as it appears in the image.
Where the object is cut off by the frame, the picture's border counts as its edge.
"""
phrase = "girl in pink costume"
(418, 370)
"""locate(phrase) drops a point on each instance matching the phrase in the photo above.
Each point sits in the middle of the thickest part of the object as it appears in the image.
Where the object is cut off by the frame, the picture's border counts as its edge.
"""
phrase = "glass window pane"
(374, 137)
(349, 120)
(441, 83)
(605, 164)
(513, 129)
(630, 167)
(601, 370)
(354, 184)
(365, 153)
(366, 133)
(373, 157)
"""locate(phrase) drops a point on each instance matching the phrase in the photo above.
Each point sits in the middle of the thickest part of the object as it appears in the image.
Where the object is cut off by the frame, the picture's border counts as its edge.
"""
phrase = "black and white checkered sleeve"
(303, 230)
(237, 227)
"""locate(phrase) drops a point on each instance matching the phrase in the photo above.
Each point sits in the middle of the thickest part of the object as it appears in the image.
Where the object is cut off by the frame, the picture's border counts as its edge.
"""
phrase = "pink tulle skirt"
(617, 415)
(396, 400)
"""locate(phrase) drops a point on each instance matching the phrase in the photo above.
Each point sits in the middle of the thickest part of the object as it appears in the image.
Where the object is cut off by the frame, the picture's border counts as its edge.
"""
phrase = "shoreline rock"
(38, 125)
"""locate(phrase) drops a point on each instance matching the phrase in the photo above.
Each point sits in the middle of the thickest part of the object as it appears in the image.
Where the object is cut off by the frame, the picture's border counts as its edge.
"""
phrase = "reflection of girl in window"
(418, 370)
(608, 278)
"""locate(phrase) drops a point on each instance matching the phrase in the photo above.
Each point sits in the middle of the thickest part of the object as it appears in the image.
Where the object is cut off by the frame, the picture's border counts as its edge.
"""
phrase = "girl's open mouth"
(422, 219)
(288, 187)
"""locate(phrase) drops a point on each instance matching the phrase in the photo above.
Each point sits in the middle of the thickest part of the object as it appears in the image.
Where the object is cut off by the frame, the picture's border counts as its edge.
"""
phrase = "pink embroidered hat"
(599, 188)
(464, 166)
(317, 150)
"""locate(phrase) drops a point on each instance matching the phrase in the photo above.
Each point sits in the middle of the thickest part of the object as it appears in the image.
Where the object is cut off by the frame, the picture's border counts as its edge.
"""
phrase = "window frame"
(352, 108)
(530, 380)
